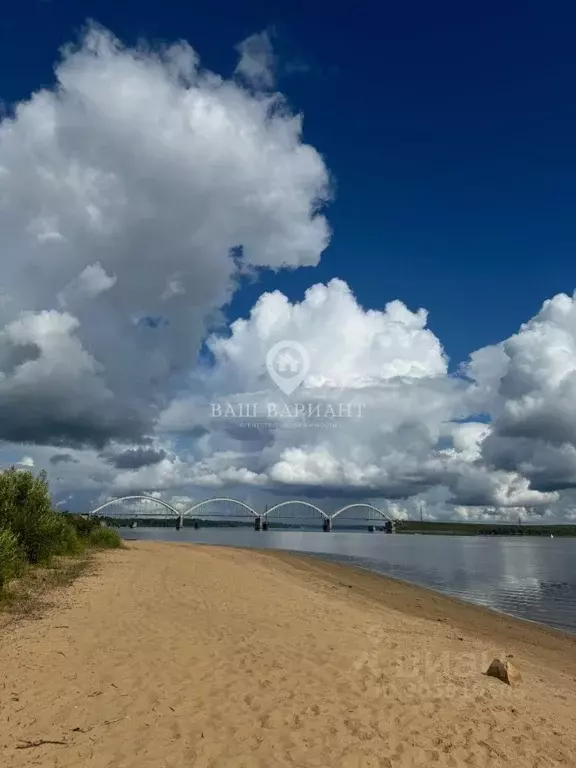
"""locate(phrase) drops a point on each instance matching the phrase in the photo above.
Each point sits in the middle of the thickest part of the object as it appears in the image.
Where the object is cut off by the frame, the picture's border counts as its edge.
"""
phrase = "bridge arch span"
(371, 507)
(136, 498)
(199, 504)
(295, 501)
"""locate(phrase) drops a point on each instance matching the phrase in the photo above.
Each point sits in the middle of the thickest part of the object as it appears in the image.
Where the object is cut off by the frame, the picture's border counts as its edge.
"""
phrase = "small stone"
(504, 671)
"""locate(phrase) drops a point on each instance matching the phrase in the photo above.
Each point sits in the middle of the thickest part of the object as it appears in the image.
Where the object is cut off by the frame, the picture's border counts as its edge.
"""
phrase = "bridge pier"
(327, 524)
(265, 524)
(179, 524)
(257, 523)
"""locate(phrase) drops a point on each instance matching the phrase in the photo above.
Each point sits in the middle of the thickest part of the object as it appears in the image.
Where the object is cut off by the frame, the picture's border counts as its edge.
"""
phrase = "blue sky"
(448, 128)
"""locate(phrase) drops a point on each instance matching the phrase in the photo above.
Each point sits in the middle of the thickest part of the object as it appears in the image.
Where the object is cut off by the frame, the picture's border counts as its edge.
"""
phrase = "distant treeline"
(484, 529)
(170, 522)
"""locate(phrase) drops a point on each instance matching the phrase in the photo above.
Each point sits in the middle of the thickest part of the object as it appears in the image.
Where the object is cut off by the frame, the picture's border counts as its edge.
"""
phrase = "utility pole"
(421, 516)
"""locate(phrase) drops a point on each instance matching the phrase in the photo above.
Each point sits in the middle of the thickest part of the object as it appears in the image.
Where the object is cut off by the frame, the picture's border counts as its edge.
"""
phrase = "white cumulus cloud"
(139, 186)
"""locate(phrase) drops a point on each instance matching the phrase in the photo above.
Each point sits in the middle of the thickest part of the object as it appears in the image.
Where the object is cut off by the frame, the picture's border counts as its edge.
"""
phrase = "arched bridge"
(292, 511)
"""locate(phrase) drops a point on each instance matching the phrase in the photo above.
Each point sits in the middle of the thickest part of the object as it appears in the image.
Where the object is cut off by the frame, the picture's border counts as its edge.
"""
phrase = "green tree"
(26, 510)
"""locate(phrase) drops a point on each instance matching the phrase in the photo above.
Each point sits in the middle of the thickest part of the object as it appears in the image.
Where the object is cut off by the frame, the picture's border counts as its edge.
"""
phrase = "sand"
(174, 655)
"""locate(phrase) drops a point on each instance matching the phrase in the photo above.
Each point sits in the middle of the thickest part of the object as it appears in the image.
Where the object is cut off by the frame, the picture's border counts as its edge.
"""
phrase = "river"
(531, 578)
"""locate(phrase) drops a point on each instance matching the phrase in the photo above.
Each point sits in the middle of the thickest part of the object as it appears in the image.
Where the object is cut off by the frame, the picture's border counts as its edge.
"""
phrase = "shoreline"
(217, 657)
(327, 558)
(426, 588)
(420, 601)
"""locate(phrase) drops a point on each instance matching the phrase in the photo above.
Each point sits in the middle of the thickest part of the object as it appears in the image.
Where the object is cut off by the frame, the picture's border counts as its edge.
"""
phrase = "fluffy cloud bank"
(377, 416)
(418, 433)
(133, 196)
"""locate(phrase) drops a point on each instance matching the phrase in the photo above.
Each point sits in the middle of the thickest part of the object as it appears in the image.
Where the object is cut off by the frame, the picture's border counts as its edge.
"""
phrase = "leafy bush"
(32, 531)
(41, 536)
(104, 538)
(11, 557)
(67, 540)
(26, 510)
(82, 525)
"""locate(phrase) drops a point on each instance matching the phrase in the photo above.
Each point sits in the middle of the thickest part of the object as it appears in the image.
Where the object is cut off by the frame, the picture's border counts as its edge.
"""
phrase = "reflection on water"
(532, 578)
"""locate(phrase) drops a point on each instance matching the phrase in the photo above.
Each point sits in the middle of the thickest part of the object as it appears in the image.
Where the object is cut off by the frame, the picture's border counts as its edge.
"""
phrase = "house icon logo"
(288, 363)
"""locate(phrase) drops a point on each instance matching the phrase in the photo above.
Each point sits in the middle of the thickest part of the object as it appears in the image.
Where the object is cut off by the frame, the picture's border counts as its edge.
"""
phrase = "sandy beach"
(171, 655)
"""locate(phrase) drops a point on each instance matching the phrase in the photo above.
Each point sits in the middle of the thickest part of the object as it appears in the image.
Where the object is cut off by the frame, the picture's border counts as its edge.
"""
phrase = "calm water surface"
(532, 578)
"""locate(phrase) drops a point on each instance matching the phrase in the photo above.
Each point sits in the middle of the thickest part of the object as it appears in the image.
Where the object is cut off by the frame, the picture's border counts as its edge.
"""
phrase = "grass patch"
(27, 595)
